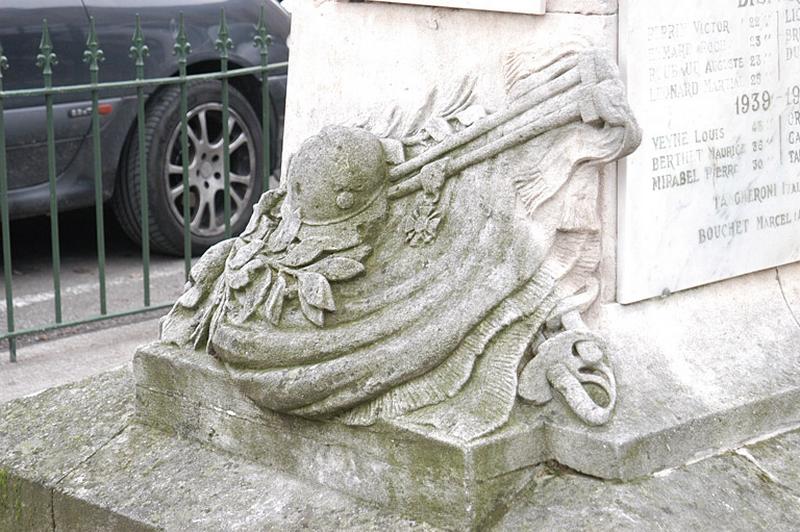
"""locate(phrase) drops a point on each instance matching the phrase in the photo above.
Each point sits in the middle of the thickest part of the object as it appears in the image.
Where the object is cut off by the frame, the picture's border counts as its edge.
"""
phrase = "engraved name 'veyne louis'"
(428, 267)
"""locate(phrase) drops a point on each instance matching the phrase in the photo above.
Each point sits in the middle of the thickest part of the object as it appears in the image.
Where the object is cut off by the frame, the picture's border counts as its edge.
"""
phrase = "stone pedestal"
(421, 474)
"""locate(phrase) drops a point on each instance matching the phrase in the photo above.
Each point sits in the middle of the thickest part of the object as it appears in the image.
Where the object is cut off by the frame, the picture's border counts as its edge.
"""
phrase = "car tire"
(164, 169)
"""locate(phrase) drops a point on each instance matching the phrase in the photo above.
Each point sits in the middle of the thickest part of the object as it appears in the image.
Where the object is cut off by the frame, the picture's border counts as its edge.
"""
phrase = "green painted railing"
(94, 56)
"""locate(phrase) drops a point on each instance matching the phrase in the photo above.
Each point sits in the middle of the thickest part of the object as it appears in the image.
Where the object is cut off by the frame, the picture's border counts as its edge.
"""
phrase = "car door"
(26, 132)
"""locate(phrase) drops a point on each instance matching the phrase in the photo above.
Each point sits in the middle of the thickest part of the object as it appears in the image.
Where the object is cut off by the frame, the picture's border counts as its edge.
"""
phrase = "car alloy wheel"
(206, 169)
(164, 171)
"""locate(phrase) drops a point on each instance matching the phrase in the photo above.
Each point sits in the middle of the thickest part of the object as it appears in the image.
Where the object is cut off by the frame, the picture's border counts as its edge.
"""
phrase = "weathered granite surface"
(136, 478)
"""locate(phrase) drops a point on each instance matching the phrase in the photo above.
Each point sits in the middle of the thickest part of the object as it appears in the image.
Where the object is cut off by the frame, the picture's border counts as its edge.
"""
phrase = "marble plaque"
(714, 190)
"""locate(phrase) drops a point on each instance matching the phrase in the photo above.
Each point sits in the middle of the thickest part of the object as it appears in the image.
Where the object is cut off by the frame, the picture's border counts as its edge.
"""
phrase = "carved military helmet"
(336, 175)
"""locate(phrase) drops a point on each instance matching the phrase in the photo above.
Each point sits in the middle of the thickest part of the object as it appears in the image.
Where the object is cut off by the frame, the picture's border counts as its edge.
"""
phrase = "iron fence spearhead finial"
(182, 48)
(46, 57)
(93, 54)
(262, 39)
(138, 50)
(224, 43)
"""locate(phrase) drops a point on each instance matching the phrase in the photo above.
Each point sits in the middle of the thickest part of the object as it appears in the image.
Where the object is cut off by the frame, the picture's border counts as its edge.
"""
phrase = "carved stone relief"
(427, 267)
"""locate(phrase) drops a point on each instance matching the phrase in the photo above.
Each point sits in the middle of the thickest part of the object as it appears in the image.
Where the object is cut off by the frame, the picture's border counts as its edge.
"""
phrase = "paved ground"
(59, 357)
(60, 361)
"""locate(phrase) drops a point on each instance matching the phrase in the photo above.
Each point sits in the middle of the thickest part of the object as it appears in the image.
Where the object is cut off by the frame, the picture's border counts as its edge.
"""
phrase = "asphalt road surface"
(33, 277)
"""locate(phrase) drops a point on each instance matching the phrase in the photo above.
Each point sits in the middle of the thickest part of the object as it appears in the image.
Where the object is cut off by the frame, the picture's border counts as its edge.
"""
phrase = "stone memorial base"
(411, 471)
(682, 398)
(73, 458)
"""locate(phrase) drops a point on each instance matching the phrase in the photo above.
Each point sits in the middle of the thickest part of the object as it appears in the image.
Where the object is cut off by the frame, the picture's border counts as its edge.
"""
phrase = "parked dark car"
(68, 20)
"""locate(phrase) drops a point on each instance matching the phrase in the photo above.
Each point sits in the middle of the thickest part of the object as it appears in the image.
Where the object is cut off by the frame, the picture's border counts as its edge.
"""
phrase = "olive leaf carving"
(316, 290)
(286, 231)
(268, 279)
(204, 324)
(262, 210)
(274, 306)
(204, 275)
(315, 296)
(315, 315)
(358, 253)
(200, 334)
(269, 264)
(251, 300)
(337, 268)
(191, 297)
(238, 279)
(220, 306)
(344, 239)
(243, 255)
(302, 253)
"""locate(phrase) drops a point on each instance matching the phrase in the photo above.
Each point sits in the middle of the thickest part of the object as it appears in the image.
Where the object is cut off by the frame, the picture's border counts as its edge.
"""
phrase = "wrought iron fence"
(93, 56)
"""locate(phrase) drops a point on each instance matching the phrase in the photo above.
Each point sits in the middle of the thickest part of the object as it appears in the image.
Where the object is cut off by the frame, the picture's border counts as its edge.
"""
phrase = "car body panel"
(20, 31)
(26, 133)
